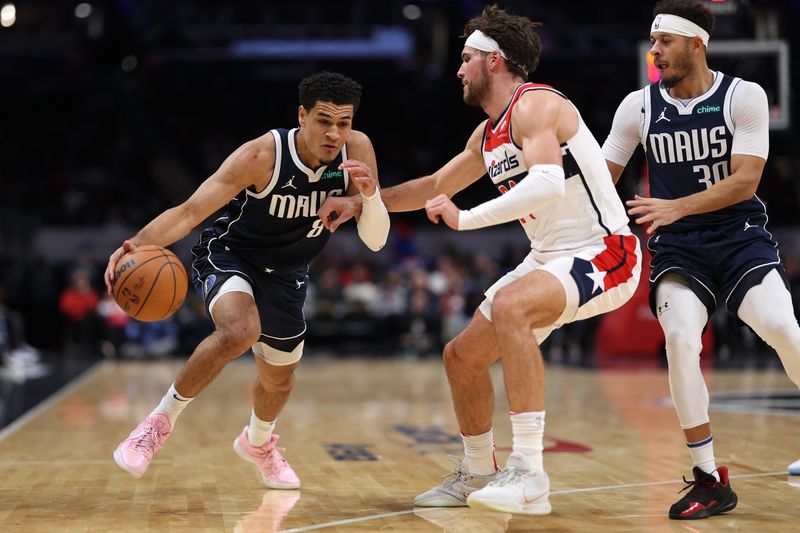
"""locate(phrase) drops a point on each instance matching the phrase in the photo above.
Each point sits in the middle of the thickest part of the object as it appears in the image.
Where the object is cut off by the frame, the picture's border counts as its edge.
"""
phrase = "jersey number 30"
(712, 173)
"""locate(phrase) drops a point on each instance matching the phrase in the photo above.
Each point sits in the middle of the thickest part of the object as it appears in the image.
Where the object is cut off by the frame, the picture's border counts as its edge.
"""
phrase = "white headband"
(480, 41)
(678, 26)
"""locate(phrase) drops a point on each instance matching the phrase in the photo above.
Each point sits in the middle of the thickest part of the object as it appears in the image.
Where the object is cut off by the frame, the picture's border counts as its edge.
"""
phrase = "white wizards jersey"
(590, 209)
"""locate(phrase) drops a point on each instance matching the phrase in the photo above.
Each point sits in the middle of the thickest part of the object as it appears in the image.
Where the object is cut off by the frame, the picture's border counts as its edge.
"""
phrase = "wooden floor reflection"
(366, 436)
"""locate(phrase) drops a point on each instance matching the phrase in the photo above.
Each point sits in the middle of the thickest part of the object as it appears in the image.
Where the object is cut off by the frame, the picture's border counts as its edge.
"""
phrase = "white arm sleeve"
(542, 185)
(373, 226)
(626, 130)
(750, 117)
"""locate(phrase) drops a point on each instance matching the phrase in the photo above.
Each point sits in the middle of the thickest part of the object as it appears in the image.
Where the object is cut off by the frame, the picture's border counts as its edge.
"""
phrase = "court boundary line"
(66, 389)
(557, 492)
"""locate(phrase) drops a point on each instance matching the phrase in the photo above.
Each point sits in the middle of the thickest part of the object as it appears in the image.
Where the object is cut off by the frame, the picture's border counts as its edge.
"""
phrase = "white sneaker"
(518, 490)
(794, 468)
(455, 488)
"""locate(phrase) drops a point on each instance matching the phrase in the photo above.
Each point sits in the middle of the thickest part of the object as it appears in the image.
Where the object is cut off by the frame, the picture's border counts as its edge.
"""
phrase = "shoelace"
(270, 464)
(149, 441)
(454, 475)
(705, 482)
(506, 475)
(510, 474)
(266, 448)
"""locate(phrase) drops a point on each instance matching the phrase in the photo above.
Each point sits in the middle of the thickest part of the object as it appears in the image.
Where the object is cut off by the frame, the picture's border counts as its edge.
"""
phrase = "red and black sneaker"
(707, 497)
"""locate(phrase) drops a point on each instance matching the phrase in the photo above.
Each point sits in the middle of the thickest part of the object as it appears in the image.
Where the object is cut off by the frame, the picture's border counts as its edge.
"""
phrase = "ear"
(301, 116)
(494, 59)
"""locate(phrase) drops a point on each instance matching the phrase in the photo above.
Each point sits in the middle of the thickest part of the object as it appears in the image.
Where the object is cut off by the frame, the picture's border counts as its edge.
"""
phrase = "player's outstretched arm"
(461, 171)
(457, 174)
(246, 166)
(537, 120)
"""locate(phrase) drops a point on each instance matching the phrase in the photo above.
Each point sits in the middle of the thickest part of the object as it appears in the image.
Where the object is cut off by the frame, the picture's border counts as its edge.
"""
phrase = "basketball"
(150, 283)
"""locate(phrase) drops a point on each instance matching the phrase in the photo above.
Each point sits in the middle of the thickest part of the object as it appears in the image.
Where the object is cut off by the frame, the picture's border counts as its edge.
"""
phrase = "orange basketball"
(150, 283)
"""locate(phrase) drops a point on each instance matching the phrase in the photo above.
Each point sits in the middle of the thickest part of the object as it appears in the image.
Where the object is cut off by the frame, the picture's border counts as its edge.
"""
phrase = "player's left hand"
(338, 209)
(360, 175)
(658, 211)
(108, 276)
(442, 208)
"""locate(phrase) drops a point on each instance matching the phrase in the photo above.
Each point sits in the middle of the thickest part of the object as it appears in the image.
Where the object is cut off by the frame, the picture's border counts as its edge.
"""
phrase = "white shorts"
(596, 279)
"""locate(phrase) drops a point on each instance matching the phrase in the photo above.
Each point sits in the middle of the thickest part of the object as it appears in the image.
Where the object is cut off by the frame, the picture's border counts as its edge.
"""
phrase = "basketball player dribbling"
(583, 261)
(251, 266)
(706, 136)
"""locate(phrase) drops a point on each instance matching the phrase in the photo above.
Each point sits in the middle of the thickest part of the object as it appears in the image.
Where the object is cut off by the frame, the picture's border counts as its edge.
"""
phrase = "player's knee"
(780, 329)
(507, 310)
(682, 346)
(450, 355)
(458, 360)
(240, 337)
(279, 379)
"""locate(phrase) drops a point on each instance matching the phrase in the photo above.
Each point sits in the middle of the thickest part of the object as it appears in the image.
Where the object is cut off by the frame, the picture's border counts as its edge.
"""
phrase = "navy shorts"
(721, 264)
(279, 296)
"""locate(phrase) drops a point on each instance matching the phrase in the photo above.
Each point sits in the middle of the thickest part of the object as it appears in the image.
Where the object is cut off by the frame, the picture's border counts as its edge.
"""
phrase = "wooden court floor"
(365, 436)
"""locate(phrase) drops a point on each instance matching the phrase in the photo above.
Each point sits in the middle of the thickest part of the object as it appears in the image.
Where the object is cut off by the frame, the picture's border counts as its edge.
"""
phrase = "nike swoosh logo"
(531, 500)
(179, 399)
(694, 507)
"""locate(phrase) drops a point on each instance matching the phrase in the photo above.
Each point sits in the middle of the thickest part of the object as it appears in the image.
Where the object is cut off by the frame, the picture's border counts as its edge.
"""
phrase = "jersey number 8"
(316, 229)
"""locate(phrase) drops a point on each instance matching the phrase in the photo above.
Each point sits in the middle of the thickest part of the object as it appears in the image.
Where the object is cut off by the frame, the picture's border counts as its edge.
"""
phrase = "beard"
(682, 66)
(478, 89)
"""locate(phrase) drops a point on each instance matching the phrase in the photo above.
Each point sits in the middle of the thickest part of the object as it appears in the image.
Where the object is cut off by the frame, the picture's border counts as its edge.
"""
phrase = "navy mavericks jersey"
(278, 228)
(688, 149)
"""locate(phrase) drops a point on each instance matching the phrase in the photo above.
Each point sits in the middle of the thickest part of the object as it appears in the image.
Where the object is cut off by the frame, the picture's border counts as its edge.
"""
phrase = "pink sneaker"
(135, 453)
(275, 471)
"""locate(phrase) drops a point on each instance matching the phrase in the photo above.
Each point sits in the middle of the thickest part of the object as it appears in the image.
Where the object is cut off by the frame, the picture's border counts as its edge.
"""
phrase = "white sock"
(703, 455)
(479, 450)
(528, 431)
(172, 404)
(259, 432)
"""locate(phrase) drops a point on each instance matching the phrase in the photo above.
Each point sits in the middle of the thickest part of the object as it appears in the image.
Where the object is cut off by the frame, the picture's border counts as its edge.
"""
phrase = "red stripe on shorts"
(617, 260)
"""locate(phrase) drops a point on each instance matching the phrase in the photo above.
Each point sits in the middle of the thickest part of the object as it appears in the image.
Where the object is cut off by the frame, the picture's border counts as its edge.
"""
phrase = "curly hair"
(688, 9)
(514, 34)
(329, 87)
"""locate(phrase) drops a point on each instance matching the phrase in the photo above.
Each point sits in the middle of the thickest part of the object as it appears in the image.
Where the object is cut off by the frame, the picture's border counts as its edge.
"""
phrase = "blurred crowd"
(410, 307)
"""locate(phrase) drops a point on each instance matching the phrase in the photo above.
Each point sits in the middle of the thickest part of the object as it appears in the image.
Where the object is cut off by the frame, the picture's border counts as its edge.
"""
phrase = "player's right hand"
(338, 209)
(126, 247)
(360, 175)
(441, 207)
